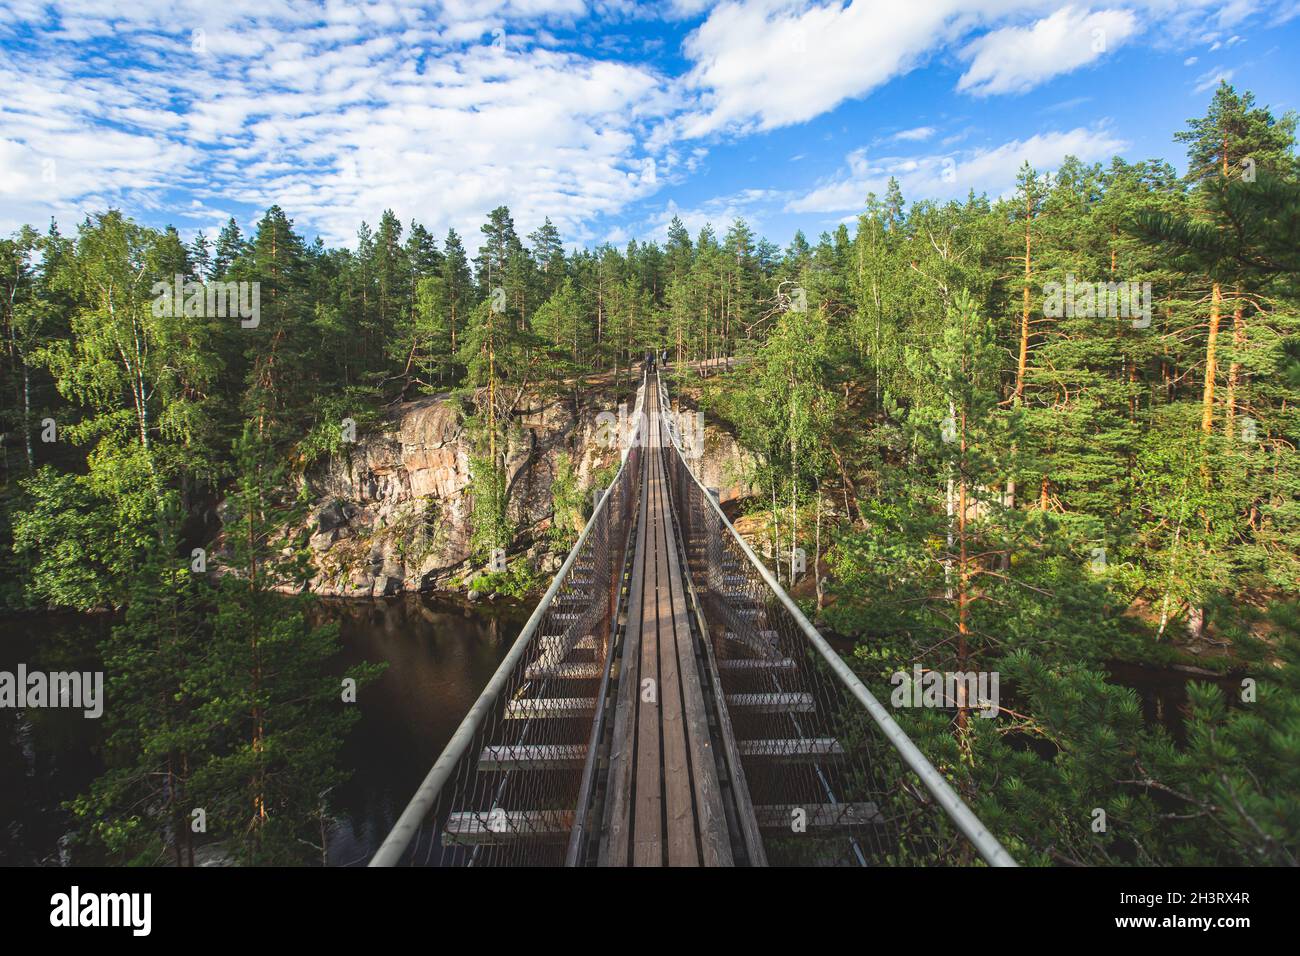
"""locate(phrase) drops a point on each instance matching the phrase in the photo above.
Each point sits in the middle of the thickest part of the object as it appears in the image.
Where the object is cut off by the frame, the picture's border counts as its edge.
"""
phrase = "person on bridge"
(650, 360)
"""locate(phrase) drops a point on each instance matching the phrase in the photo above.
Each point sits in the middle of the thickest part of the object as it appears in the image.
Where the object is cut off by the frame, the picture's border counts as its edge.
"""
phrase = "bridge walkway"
(668, 704)
(666, 802)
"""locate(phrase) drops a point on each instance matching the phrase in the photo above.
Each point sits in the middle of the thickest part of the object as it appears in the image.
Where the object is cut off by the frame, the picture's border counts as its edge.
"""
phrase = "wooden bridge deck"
(655, 714)
(665, 807)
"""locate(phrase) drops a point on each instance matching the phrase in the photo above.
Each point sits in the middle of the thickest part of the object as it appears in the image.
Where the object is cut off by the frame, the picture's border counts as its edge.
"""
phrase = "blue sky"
(608, 117)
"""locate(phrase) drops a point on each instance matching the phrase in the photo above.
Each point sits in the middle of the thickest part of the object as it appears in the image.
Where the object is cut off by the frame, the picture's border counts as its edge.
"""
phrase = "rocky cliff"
(395, 514)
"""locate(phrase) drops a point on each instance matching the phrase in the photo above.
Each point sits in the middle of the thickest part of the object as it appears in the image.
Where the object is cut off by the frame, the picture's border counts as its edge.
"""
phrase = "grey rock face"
(395, 512)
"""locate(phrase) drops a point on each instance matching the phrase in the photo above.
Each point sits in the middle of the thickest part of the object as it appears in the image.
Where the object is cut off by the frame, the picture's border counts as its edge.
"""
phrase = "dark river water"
(439, 656)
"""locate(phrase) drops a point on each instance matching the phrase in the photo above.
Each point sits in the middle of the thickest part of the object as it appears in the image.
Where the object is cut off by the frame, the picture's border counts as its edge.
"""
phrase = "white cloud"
(1065, 106)
(686, 9)
(330, 114)
(1016, 59)
(953, 175)
(772, 63)
(1211, 78)
(335, 109)
(719, 213)
(766, 64)
(914, 135)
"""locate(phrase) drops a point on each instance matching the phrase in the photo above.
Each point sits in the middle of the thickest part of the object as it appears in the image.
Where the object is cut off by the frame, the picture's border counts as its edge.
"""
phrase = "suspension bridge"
(667, 704)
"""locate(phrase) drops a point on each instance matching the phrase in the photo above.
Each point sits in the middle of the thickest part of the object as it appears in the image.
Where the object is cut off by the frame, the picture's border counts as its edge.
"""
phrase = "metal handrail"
(411, 819)
(985, 843)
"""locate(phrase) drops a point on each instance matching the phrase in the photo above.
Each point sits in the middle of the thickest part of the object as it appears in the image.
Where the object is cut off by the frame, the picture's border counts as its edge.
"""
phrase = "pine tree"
(1232, 131)
(230, 246)
(141, 809)
(500, 361)
(557, 322)
(499, 242)
(279, 351)
(200, 256)
(393, 286)
(457, 280)
(262, 682)
(548, 253)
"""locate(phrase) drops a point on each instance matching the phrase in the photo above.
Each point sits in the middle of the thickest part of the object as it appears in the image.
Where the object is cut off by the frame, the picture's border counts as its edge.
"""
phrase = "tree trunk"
(817, 556)
(776, 530)
(27, 417)
(1022, 360)
(1234, 370)
(963, 596)
(1211, 360)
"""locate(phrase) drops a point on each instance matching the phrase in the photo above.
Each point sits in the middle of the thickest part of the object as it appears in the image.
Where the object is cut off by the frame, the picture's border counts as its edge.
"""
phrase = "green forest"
(1036, 434)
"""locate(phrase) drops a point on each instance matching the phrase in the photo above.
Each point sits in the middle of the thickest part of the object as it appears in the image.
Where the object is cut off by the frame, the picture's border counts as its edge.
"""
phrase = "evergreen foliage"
(1001, 449)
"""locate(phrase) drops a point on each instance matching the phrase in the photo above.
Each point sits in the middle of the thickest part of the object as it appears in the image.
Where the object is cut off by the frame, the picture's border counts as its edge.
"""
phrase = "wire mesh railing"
(505, 788)
(831, 777)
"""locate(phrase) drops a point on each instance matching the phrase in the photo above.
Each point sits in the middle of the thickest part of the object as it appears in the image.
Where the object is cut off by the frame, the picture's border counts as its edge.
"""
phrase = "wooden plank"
(498, 827)
(711, 817)
(586, 826)
(749, 665)
(768, 636)
(556, 648)
(739, 784)
(573, 670)
(551, 641)
(793, 750)
(647, 833)
(678, 791)
(526, 707)
(533, 757)
(822, 816)
(793, 702)
(573, 597)
(761, 642)
(616, 842)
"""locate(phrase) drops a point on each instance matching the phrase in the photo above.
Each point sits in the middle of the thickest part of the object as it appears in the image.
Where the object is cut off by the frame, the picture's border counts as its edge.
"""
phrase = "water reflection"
(439, 657)
(47, 755)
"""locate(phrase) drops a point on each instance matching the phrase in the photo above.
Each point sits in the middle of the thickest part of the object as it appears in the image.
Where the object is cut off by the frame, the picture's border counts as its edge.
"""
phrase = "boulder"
(334, 515)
